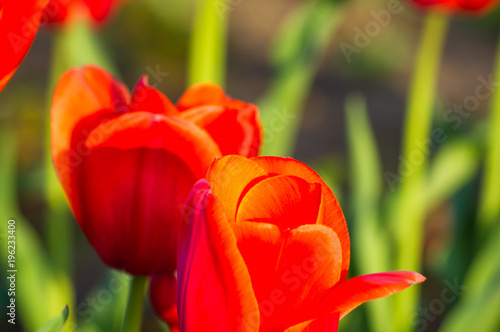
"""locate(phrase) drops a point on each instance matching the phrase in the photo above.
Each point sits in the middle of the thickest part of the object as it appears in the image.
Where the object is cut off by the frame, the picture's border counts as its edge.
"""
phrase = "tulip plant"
(177, 200)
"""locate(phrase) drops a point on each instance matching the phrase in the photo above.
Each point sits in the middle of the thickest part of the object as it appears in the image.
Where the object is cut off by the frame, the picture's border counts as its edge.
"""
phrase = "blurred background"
(348, 116)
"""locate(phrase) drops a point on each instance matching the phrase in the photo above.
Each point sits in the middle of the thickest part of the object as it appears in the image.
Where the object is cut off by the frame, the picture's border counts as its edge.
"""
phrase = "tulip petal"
(155, 161)
(286, 201)
(148, 99)
(214, 288)
(200, 95)
(291, 271)
(260, 245)
(472, 6)
(203, 115)
(65, 11)
(330, 212)
(358, 290)
(83, 98)
(19, 22)
(101, 9)
(163, 296)
(144, 129)
(129, 202)
(6, 78)
(228, 178)
(57, 11)
(237, 130)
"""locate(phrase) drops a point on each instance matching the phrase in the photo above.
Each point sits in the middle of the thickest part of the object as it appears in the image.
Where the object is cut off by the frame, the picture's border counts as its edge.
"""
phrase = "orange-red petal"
(260, 245)
(66, 11)
(358, 290)
(19, 23)
(330, 213)
(470, 6)
(143, 129)
(127, 190)
(84, 98)
(291, 271)
(200, 95)
(286, 201)
(101, 10)
(148, 99)
(156, 159)
(214, 287)
(129, 202)
(236, 130)
(228, 178)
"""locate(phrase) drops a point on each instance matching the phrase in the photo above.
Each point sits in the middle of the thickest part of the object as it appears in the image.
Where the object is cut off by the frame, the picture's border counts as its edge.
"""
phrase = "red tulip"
(64, 11)
(467, 6)
(265, 247)
(19, 22)
(127, 164)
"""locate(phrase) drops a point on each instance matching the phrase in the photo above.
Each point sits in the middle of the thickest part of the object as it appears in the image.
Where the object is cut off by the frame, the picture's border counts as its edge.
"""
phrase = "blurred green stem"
(133, 316)
(77, 45)
(207, 56)
(411, 208)
(489, 202)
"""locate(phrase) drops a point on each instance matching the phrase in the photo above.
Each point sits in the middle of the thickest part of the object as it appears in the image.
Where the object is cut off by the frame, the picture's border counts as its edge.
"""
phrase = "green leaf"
(110, 316)
(485, 269)
(39, 293)
(297, 52)
(489, 202)
(479, 314)
(56, 324)
(371, 250)
(478, 307)
(454, 165)
(411, 208)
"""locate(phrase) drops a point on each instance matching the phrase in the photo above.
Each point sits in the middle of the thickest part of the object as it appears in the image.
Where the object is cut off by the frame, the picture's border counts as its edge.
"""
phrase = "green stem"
(411, 210)
(133, 316)
(207, 58)
(489, 203)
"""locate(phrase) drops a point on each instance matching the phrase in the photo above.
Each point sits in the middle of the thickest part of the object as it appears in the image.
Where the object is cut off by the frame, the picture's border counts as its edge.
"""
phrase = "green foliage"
(479, 303)
(454, 164)
(297, 51)
(39, 292)
(55, 324)
(370, 252)
(489, 207)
